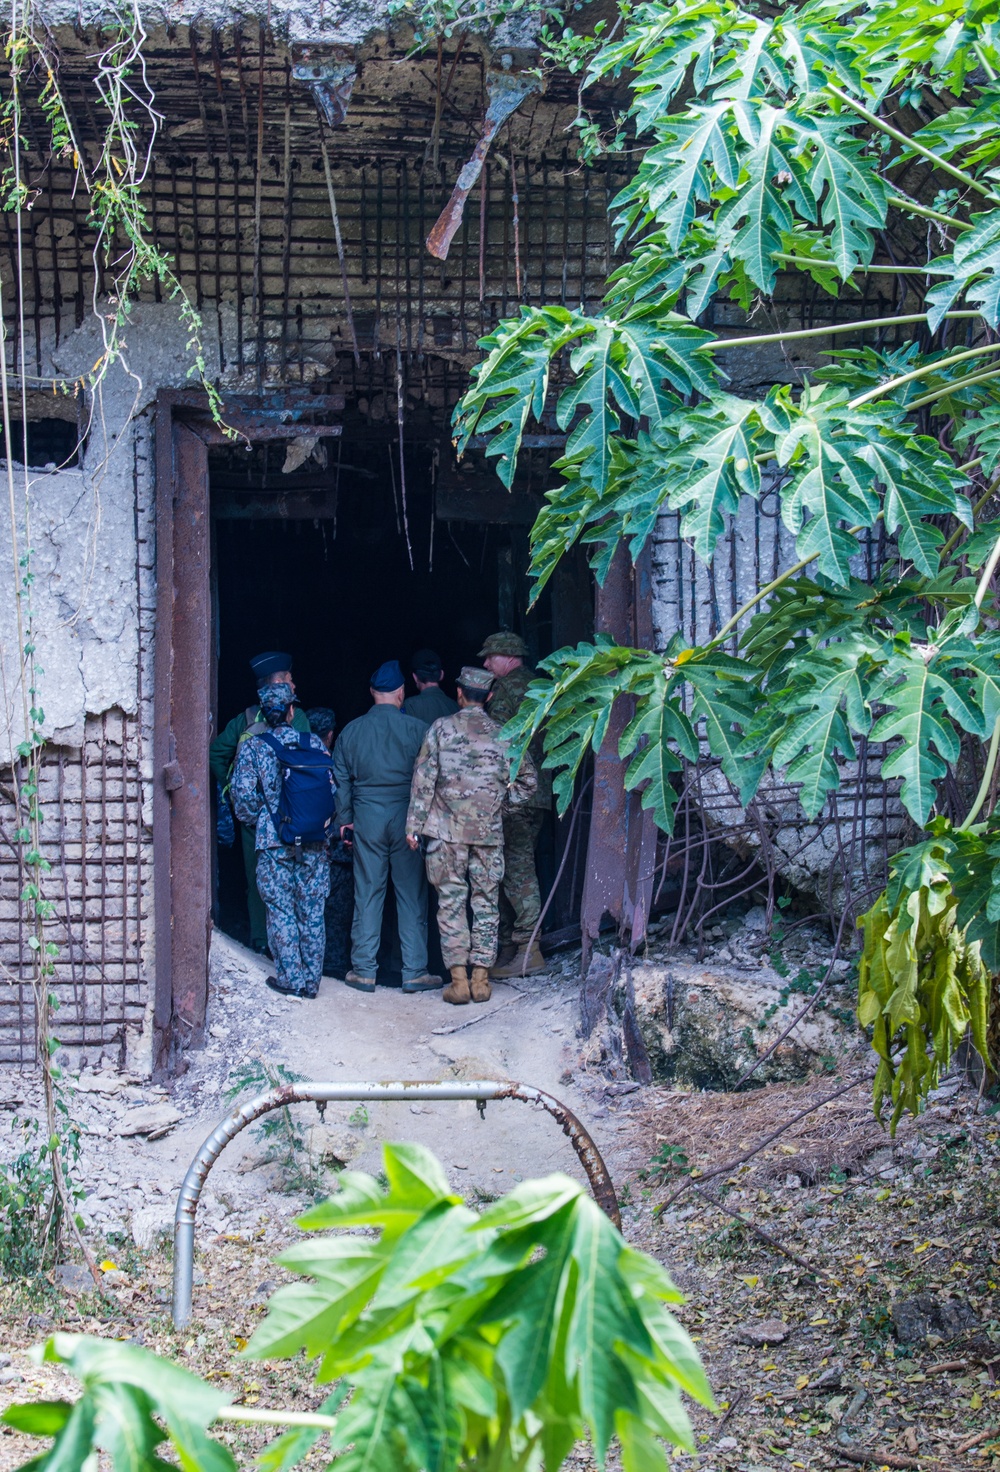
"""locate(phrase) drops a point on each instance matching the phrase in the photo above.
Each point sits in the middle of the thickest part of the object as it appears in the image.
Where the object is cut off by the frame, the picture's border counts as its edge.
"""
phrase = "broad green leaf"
(658, 725)
(720, 439)
(922, 705)
(850, 195)
(38, 1417)
(531, 1202)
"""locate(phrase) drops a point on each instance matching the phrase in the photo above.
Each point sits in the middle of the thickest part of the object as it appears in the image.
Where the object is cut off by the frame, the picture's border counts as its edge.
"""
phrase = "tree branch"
(968, 180)
(719, 343)
(922, 372)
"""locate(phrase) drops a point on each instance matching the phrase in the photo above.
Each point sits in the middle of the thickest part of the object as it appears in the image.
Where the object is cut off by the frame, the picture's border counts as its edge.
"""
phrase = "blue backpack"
(306, 802)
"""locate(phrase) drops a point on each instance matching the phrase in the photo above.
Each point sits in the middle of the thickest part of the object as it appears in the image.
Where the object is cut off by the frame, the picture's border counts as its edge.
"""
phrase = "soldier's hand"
(413, 839)
(347, 834)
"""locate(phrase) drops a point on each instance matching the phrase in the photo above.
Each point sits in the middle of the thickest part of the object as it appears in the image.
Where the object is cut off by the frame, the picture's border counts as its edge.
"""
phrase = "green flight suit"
(373, 767)
(430, 705)
(221, 759)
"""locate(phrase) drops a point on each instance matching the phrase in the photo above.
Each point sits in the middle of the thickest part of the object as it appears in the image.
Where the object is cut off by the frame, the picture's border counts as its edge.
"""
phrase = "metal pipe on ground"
(480, 1091)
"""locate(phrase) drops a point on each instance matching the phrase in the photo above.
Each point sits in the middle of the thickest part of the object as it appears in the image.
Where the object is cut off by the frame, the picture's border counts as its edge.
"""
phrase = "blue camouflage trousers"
(294, 891)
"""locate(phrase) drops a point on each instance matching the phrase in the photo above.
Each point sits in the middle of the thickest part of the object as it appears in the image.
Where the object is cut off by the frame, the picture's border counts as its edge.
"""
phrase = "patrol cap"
(472, 678)
(265, 665)
(504, 643)
(426, 663)
(275, 698)
(388, 676)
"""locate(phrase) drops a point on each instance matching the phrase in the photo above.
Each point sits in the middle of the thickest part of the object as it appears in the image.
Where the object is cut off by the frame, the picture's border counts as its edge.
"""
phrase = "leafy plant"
(668, 1161)
(922, 970)
(770, 140)
(31, 1205)
(452, 1341)
(279, 1130)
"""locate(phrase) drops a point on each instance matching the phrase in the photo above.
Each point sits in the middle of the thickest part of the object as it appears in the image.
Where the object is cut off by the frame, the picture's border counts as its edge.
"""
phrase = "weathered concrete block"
(705, 1028)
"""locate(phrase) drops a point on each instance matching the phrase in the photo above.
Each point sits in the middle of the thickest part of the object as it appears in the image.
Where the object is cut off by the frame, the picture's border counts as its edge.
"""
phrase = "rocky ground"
(842, 1286)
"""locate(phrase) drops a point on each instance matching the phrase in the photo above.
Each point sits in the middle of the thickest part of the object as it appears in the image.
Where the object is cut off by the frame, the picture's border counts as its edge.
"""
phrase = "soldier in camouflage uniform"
(272, 668)
(293, 886)
(461, 782)
(504, 656)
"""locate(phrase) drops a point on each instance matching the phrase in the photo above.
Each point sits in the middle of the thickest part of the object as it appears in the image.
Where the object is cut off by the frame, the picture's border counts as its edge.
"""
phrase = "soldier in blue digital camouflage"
(274, 667)
(293, 879)
(461, 784)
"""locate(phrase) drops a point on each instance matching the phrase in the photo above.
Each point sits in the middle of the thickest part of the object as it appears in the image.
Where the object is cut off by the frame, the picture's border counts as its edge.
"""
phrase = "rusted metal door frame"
(182, 690)
(621, 852)
(181, 717)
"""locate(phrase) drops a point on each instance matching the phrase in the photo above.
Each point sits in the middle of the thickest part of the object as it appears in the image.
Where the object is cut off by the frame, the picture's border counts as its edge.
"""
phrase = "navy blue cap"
(270, 663)
(387, 677)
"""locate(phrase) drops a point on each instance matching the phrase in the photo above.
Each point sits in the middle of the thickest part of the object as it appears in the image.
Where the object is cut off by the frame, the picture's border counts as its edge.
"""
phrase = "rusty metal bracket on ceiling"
(480, 1092)
(331, 83)
(506, 92)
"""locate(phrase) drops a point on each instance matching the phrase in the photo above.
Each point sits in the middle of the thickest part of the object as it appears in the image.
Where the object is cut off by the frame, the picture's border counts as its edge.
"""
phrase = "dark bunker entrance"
(316, 550)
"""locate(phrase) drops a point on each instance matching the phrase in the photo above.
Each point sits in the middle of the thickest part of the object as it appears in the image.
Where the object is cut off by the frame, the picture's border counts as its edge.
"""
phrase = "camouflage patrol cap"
(505, 643)
(471, 678)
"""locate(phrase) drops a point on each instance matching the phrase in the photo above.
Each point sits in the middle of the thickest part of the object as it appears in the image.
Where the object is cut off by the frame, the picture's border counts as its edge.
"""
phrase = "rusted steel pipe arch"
(481, 1092)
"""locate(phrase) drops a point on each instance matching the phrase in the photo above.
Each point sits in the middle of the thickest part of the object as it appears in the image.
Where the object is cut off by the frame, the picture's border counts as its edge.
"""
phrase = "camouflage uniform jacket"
(461, 779)
(505, 702)
(256, 784)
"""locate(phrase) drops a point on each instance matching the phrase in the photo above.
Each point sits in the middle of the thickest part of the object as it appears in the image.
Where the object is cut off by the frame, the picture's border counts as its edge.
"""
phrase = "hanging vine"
(113, 179)
(125, 258)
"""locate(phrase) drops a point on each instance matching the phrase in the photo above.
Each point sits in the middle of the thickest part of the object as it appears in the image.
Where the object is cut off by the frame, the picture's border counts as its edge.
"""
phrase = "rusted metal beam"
(214, 434)
(506, 92)
(305, 1093)
(622, 843)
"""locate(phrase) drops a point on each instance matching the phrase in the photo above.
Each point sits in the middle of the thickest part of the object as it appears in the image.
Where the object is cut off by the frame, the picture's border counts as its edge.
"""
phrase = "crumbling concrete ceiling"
(212, 85)
(238, 198)
(299, 22)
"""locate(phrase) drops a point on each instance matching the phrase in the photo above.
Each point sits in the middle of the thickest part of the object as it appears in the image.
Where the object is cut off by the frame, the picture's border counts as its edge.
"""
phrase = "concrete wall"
(93, 603)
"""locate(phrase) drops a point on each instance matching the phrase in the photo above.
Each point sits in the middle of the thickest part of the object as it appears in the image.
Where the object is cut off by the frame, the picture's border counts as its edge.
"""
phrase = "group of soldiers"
(424, 790)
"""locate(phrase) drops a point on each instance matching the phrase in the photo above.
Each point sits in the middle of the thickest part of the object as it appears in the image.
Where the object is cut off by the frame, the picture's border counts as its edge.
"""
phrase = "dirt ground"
(833, 1236)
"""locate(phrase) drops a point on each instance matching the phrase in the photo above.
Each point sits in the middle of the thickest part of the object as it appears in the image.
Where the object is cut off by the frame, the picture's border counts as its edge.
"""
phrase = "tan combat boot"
(458, 990)
(481, 989)
(524, 963)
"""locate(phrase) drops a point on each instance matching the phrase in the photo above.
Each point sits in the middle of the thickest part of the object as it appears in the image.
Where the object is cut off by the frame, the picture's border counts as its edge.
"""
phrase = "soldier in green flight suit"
(504, 655)
(271, 668)
(373, 767)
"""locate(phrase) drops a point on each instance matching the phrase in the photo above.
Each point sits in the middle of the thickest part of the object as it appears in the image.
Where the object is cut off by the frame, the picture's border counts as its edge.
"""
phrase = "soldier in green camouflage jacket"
(461, 783)
(505, 656)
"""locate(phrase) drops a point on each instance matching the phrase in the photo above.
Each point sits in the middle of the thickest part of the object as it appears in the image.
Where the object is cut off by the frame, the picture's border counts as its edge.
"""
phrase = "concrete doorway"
(294, 537)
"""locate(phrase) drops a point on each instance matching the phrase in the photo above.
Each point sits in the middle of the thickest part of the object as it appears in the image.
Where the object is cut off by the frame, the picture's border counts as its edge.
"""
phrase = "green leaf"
(531, 1203)
(602, 383)
(719, 437)
(816, 731)
(38, 1417)
(975, 261)
(850, 195)
(923, 700)
(723, 698)
(649, 739)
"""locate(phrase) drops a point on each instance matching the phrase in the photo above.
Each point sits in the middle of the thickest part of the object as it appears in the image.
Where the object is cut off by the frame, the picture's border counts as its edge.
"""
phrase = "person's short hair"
(474, 693)
(426, 664)
(321, 720)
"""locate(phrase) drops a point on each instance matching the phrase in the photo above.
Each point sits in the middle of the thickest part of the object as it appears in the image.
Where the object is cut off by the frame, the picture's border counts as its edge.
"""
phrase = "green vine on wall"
(113, 181)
